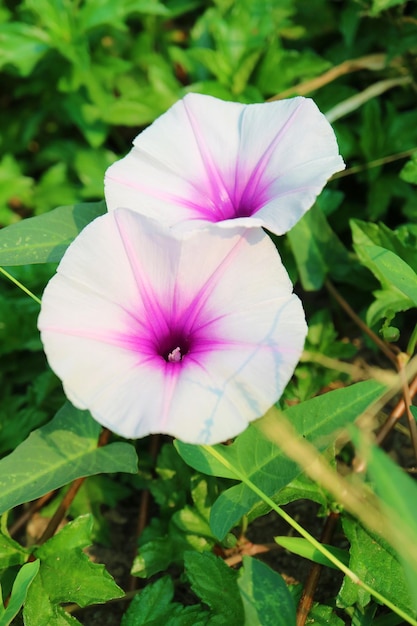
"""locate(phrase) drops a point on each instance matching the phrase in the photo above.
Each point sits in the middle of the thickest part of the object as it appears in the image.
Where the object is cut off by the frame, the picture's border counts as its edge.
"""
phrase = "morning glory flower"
(206, 160)
(190, 335)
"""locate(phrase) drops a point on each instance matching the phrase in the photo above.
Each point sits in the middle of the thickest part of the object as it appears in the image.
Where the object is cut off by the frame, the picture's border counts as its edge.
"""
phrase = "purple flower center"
(173, 347)
(228, 199)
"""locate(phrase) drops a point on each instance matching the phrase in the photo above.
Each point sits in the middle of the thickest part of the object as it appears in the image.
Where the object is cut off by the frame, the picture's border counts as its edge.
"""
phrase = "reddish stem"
(69, 497)
(26, 516)
(307, 597)
(387, 349)
(145, 500)
(396, 414)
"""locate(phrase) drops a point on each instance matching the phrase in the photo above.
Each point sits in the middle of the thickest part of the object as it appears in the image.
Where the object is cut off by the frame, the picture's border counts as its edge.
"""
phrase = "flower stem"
(412, 342)
(19, 284)
(304, 533)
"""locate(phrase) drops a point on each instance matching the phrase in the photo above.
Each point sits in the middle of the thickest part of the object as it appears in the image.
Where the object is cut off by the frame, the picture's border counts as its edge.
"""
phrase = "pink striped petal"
(154, 332)
(206, 160)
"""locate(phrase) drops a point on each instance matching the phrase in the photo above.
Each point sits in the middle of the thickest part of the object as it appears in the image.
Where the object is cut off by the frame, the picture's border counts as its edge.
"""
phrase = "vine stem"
(396, 414)
(20, 285)
(398, 359)
(307, 597)
(342, 488)
(67, 500)
(145, 501)
(382, 345)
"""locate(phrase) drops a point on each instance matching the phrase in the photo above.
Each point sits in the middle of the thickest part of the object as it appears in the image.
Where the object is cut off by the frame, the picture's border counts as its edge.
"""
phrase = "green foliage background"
(79, 80)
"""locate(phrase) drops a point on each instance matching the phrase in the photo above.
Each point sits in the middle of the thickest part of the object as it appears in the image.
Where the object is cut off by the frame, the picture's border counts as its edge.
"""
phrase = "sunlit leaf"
(261, 462)
(393, 273)
(303, 548)
(56, 454)
(44, 238)
(67, 575)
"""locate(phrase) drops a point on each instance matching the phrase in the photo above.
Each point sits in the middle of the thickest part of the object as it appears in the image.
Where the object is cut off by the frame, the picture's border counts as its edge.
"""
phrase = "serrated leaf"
(44, 238)
(216, 584)
(258, 459)
(376, 564)
(39, 611)
(154, 606)
(20, 588)
(56, 454)
(150, 604)
(66, 574)
(265, 596)
(303, 548)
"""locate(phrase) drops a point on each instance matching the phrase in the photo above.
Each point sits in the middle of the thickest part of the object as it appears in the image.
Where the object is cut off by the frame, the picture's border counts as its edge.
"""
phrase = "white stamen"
(175, 356)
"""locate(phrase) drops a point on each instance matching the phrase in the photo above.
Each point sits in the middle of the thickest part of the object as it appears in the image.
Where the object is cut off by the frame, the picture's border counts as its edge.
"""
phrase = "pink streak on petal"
(170, 198)
(157, 324)
(200, 299)
(219, 196)
(253, 185)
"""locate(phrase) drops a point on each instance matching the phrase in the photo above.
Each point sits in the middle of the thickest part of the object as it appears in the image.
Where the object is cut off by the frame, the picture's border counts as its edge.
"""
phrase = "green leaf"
(398, 493)
(15, 188)
(40, 611)
(376, 564)
(303, 548)
(11, 552)
(56, 454)
(67, 575)
(262, 463)
(216, 584)
(150, 604)
(383, 5)
(409, 171)
(322, 615)
(44, 238)
(392, 272)
(22, 45)
(160, 546)
(317, 250)
(67, 572)
(265, 596)
(368, 233)
(154, 606)
(17, 598)
(96, 495)
(301, 488)
(386, 304)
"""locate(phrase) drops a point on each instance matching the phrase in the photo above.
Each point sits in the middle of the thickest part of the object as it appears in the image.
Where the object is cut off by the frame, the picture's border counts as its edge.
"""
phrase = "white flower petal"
(206, 160)
(192, 336)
